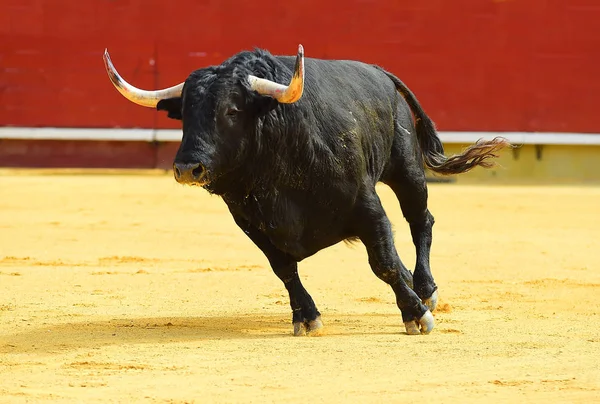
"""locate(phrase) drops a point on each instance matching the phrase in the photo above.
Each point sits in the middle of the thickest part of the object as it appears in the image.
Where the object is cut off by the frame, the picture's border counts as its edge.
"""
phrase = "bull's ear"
(261, 104)
(172, 106)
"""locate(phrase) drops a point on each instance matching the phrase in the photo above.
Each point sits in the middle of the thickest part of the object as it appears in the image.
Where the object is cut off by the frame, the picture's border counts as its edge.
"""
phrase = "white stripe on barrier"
(173, 135)
(9, 132)
(524, 137)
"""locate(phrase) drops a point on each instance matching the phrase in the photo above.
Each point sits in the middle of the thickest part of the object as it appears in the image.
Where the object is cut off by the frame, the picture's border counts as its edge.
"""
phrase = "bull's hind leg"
(407, 179)
(413, 201)
(305, 316)
(375, 231)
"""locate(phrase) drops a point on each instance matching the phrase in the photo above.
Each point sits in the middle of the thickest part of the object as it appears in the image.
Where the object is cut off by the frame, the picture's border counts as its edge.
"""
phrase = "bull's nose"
(188, 173)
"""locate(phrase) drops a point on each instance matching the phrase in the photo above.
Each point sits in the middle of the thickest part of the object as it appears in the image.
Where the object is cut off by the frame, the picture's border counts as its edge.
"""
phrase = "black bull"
(300, 175)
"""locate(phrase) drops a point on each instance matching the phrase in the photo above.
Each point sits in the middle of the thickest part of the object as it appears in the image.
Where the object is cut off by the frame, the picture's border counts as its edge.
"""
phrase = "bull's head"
(219, 107)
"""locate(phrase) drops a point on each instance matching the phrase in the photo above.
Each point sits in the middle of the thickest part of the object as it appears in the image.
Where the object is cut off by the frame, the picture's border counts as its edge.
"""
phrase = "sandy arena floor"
(131, 288)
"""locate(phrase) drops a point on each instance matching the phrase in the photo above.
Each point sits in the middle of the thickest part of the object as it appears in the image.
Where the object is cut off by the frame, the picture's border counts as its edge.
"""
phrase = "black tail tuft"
(475, 155)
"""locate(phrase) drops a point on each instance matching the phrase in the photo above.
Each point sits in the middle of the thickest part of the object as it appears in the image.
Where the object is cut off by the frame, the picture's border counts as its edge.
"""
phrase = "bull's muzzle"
(190, 173)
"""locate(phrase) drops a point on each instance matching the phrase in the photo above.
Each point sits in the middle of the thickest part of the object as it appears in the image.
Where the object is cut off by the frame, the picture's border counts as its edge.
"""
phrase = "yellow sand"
(131, 288)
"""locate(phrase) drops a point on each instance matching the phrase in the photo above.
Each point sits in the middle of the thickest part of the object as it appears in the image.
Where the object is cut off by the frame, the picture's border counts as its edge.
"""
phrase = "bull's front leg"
(305, 315)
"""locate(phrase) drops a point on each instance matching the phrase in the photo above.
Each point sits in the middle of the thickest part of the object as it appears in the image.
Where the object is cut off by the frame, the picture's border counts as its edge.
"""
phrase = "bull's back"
(339, 81)
(352, 107)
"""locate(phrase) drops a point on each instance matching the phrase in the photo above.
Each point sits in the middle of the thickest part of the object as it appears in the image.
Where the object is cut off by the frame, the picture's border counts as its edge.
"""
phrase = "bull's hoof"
(423, 326)
(313, 328)
(412, 328)
(427, 322)
(299, 329)
(432, 301)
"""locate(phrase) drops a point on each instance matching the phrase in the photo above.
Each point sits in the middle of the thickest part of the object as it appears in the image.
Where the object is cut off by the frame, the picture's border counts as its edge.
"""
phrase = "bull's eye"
(232, 111)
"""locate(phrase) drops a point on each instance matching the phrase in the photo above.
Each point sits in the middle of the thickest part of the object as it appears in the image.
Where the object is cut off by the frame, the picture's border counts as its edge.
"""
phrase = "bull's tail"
(478, 154)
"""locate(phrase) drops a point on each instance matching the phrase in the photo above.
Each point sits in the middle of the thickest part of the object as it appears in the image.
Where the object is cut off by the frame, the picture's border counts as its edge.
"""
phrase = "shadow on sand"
(57, 338)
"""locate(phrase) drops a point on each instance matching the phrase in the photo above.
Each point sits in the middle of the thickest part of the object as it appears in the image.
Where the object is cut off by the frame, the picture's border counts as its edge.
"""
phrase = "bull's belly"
(298, 229)
(307, 244)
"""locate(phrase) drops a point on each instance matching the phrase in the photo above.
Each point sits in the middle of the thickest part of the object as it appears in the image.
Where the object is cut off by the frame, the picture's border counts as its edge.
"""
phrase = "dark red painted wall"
(474, 64)
(86, 153)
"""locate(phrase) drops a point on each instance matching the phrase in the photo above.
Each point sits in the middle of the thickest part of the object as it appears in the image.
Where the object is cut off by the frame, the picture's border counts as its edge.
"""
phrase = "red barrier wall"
(473, 64)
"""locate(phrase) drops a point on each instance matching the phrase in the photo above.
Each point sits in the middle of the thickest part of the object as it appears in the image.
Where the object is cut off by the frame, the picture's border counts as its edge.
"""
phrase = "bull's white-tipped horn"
(141, 97)
(284, 94)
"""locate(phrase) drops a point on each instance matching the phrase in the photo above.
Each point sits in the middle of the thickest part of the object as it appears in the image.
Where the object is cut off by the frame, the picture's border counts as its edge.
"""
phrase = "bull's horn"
(140, 97)
(284, 94)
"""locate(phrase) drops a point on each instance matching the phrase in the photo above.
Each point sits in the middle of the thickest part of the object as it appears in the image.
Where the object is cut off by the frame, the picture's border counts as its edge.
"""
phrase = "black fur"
(300, 177)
